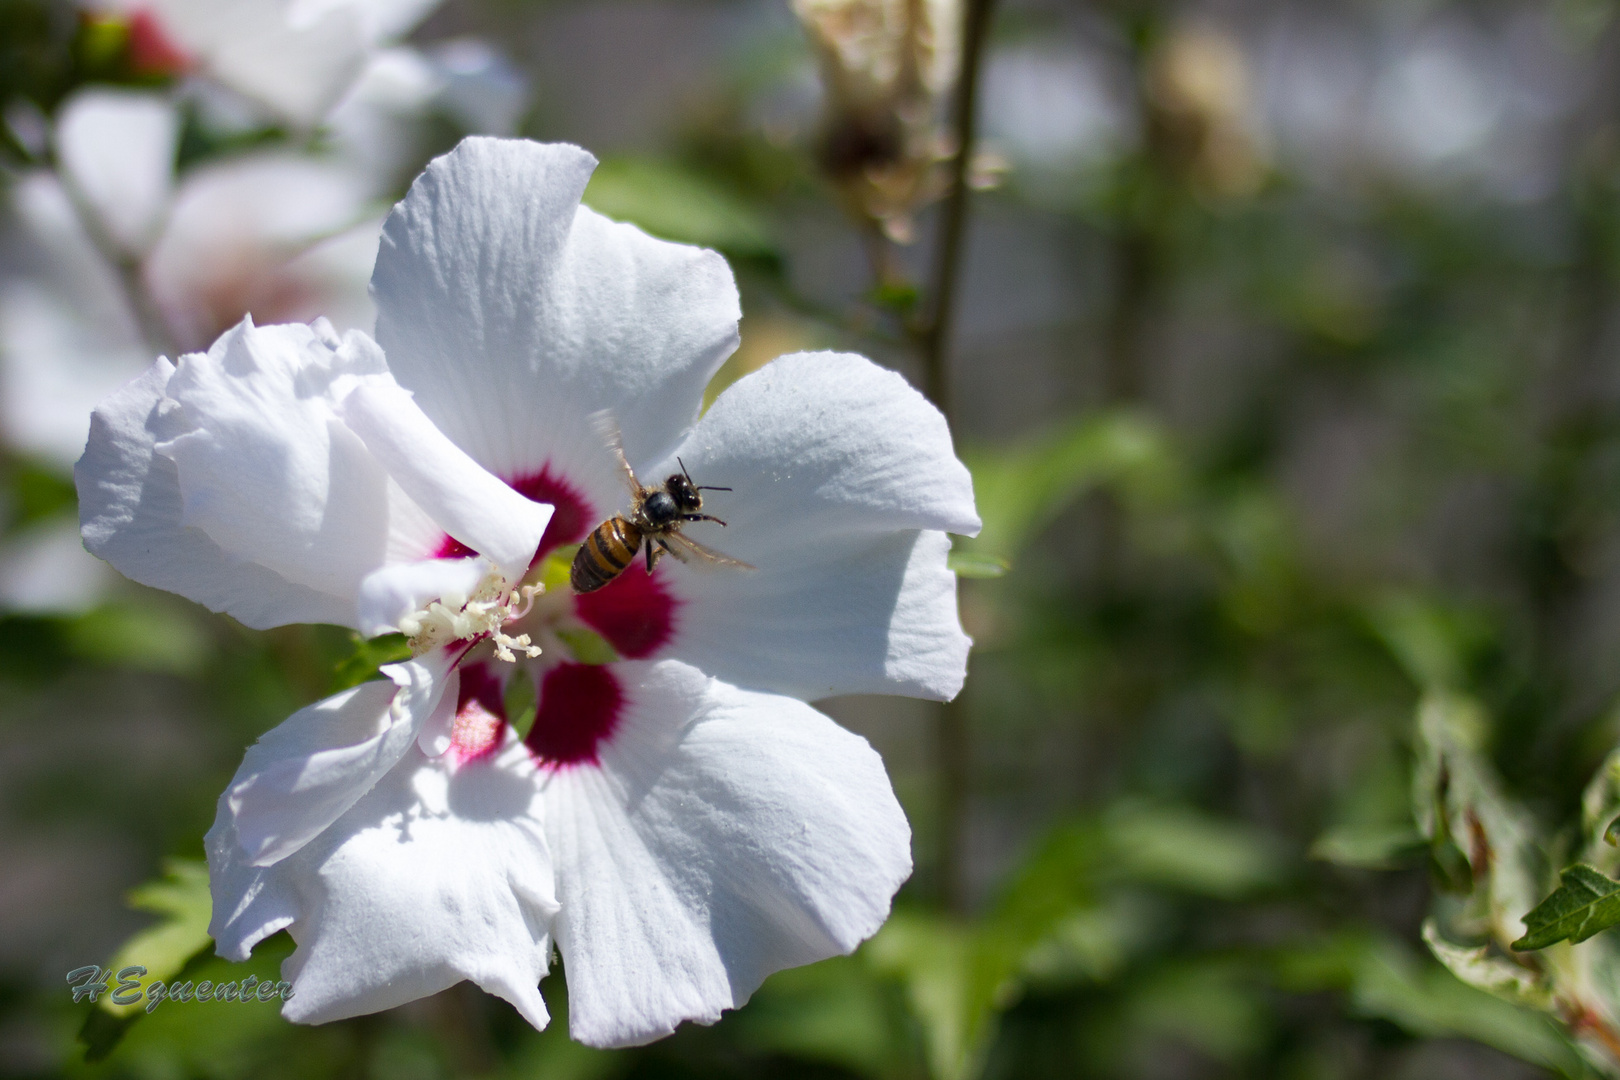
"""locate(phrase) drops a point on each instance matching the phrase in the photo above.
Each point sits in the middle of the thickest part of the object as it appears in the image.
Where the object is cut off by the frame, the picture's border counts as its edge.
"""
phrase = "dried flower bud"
(887, 67)
(1199, 110)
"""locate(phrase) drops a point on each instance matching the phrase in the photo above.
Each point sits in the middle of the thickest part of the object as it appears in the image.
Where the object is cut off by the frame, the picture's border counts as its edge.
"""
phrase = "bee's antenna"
(697, 487)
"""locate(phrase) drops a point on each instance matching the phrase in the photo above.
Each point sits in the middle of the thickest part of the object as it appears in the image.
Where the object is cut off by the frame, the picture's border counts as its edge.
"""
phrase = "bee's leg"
(702, 517)
(652, 554)
(671, 551)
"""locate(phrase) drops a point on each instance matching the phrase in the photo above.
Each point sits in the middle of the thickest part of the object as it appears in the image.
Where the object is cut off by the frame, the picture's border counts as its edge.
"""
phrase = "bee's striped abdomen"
(604, 554)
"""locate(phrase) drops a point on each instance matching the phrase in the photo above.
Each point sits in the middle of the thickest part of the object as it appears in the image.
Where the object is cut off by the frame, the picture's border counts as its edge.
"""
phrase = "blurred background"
(1282, 346)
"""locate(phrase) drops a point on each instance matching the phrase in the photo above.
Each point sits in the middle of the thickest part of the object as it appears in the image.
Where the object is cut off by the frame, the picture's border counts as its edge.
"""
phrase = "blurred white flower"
(678, 836)
(124, 261)
(379, 126)
(296, 58)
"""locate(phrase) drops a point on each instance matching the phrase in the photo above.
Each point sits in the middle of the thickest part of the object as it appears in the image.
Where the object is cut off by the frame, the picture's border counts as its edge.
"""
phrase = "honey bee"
(655, 518)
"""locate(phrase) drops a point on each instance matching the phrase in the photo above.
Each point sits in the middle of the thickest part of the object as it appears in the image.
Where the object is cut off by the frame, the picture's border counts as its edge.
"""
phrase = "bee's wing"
(607, 428)
(681, 546)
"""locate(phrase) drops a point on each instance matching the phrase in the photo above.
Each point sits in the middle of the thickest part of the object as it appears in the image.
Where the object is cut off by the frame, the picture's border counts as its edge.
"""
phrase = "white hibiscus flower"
(294, 58)
(676, 819)
(119, 250)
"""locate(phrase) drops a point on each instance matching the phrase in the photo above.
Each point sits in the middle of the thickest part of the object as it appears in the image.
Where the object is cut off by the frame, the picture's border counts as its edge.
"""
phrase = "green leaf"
(216, 1039)
(673, 202)
(369, 655)
(1384, 980)
(836, 1011)
(1022, 490)
(1585, 903)
(522, 703)
(1367, 847)
(1180, 848)
(555, 568)
(1491, 972)
(183, 901)
(956, 981)
(148, 637)
(1486, 845)
(970, 564)
(587, 646)
(897, 296)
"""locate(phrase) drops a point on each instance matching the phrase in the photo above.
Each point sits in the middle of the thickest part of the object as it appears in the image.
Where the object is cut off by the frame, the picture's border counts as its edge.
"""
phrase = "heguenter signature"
(91, 981)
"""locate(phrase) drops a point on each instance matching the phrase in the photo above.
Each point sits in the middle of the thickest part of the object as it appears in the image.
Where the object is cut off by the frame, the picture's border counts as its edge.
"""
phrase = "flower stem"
(932, 333)
(932, 336)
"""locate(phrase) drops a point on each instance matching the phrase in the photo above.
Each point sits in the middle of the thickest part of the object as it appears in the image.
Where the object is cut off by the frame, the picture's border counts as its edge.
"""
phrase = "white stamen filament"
(483, 614)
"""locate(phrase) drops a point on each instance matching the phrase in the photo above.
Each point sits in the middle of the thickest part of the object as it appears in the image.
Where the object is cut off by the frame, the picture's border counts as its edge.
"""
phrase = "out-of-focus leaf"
(1383, 980)
(1211, 1003)
(369, 655)
(521, 703)
(970, 564)
(1585, 903)
(896, 296)
(1461, 810)
(1090, 943)
(1366, 847)
(1021, 490)
(1432, 643)
(587, 646)
(1179, 848)
(555, 567)
(836, 1011)
(148, 637)
(1493, 973)
(676, 203)
(220, 1039)
(182, 900)
(955, 980)
(1600, 815)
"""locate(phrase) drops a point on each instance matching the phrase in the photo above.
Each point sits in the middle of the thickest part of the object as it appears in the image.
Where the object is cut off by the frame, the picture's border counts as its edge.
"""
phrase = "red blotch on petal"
(580, 706)
(635, 611)
(571, 517)
(480, 714)
(151, 50)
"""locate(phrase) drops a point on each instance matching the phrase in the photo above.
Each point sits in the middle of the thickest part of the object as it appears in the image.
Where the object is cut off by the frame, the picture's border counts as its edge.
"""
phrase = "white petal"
(266, 469)
(379, 19)
(117, 150)
(130, 513)
(233, 242)
(67, 336)
(439, 874)
(389, 594)
(306, 772)
(726, 835)
(250, 902)
(835, 465)
(469, 503)
(832, 441)
(828, 615)
(59, 357)
(296, 66)
(514, 314)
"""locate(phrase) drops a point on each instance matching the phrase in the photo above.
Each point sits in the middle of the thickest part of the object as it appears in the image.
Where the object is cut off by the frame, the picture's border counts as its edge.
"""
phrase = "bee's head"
(684, 492)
